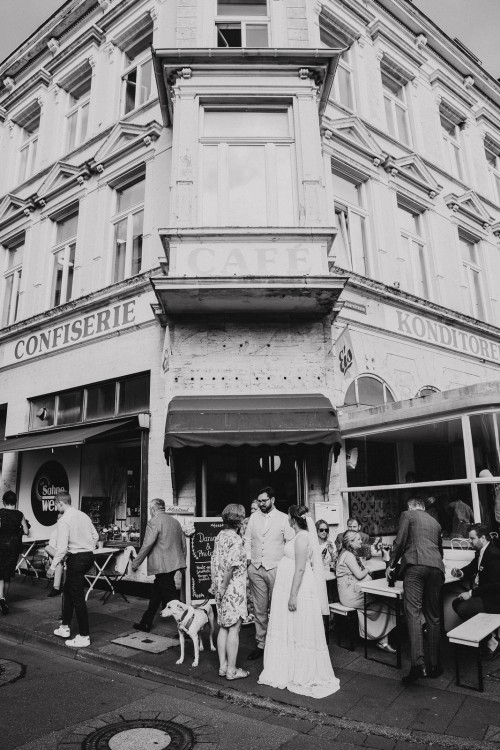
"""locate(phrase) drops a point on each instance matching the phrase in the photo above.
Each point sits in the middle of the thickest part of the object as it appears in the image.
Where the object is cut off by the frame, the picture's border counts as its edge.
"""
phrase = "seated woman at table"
(12, 527)
(50, 549)
(350, 569)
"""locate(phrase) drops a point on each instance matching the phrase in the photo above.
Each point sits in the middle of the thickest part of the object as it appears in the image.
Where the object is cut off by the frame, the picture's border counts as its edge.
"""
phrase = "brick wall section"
(296, 15)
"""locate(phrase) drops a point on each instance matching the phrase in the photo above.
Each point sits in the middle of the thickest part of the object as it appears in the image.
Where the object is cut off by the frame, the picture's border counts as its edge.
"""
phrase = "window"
(396, 107)
(77, 118)
(128, 228)
(247, 23)
(12, 281)
(343, 83)
(492, 153)
(29, 144)
(133, 395)
(137, 79)
(450, 130)
(64, 259)
(413, 252)
(350, 244)
(474, 303)
(368, 390)
(427, 390)
(248, 167)
(69, 407)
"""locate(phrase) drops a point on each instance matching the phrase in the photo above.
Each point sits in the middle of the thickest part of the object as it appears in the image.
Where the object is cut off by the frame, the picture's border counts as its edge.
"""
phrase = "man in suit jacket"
(483, 574)
(418, 545)
(165, 547)
(265, 536)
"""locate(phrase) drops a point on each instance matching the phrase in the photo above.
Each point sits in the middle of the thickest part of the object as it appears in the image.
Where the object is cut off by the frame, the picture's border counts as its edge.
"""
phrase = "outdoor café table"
(380, 587)
(28, 546)
(102, 556)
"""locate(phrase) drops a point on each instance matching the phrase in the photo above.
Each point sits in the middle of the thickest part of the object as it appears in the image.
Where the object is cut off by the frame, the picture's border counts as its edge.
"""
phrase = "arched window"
(368, 390)
(427, 390)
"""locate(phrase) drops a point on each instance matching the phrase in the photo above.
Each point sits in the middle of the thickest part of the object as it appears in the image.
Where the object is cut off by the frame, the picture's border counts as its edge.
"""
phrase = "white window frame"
(475, 298)
(414, 252)
(223, 144)
(393, 103)
(12, 313)
(493, 150)
(138, 64)
(385, 390)
(128, 215)
(453, 153)
(77, 110)
(29, 147)
(343, 207)
(66, 248)
(242, 22)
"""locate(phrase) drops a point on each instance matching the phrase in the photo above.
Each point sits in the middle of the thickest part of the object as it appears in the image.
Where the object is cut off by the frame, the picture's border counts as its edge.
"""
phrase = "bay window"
(128, 230)
(242, 24)
(248, 167)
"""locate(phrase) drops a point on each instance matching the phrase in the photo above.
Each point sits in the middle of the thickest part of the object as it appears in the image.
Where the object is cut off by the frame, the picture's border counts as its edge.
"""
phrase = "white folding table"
(102, 557)
(28, 545)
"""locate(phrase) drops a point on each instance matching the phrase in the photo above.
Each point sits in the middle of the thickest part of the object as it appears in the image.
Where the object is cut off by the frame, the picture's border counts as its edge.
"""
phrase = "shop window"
(485, 430)
(470, 252)
(450, 132)
(248, 167)
(350, 245)
(414, 276)
(69, 407)
(64, 258)
(492, 153)
(242, 24)
(137, 79)
(395, 104)
(30, 124)
(11, 282)
(101, 401)
(368, 390)
(128, 230)
(133, 395)
(77, 117)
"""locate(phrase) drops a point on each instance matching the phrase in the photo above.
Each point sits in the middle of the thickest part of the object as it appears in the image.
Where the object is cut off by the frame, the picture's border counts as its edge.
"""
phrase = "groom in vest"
(265, 536)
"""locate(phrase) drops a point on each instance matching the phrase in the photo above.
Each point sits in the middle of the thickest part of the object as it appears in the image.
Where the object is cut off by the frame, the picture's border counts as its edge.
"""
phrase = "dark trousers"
(422, 586)
(74, 590)
(163, 592)
(467, 608)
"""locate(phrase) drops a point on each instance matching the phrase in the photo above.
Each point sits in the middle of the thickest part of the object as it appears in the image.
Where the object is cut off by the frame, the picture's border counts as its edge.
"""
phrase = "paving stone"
(382, 743)
(306, 742)
(299, 725)
(352, 738)
(403, 745)
(324, 731)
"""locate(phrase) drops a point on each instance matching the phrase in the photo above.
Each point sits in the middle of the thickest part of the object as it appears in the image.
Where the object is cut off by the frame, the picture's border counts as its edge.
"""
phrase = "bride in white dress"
(296, 656)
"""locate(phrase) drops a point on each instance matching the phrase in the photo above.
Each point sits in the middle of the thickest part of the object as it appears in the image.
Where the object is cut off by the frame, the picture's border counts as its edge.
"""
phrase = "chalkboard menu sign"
(201, 546)
(97, 508)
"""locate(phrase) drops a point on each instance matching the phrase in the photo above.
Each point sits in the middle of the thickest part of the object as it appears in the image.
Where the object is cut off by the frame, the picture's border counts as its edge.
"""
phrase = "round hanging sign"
(49, 479)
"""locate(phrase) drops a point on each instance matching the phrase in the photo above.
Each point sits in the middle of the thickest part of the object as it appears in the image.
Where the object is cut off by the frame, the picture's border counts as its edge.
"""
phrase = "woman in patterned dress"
(229, 586)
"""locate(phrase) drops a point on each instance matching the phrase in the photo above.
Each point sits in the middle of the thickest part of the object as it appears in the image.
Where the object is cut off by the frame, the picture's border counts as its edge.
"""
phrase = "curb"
(231, 695)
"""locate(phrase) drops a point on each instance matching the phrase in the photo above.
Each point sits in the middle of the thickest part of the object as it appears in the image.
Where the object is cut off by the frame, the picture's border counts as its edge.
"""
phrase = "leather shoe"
(435, 672)
(415, 673)
(142, 626)
(54, 592)
(257, 653)
(493, 654)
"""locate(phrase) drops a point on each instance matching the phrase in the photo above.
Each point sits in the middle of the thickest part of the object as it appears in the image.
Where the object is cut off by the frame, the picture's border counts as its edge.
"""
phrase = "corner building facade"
(227, 227)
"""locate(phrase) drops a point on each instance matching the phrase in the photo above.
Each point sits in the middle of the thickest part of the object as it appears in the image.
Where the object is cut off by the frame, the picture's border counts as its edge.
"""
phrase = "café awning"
(195, 421)
(32, 441)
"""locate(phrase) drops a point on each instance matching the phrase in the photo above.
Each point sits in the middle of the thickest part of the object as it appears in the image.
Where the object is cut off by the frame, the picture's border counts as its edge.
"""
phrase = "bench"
(469, 635)
(350, 615)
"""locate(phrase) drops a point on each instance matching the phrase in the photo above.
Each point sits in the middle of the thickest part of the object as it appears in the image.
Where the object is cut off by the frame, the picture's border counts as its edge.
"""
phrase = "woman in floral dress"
(229, 586)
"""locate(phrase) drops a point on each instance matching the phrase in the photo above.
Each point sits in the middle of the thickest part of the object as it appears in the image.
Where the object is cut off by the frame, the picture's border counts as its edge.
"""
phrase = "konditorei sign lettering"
(100, 322)
(432, 332)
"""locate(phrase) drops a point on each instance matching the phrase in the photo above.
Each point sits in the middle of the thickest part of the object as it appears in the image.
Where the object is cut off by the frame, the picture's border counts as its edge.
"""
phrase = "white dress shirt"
(75, 533)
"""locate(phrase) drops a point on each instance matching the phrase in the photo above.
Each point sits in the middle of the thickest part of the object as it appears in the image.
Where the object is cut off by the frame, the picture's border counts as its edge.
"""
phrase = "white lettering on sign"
(97, 323)
(433, 332)
(222, 259)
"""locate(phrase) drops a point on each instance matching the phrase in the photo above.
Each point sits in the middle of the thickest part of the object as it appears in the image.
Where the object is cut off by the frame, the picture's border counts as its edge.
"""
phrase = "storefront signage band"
(459, 341)
(100, 322)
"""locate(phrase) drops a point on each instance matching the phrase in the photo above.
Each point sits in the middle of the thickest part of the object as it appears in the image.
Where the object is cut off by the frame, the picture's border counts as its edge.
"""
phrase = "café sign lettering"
(432, 332)
(100, 322)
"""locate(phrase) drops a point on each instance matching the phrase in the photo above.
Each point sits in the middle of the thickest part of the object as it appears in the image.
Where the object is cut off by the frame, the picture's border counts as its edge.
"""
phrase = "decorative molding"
(421, 41)
(53, 46)
(468, 82)
(353, 133)
(9, 84)
(470, 207)
(125, 138)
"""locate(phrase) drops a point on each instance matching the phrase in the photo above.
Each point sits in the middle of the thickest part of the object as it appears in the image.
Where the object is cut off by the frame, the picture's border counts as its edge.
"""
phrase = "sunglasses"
(323, 530)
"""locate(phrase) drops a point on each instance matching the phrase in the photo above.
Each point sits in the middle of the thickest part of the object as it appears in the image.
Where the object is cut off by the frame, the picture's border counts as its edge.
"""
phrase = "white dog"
(190, 620)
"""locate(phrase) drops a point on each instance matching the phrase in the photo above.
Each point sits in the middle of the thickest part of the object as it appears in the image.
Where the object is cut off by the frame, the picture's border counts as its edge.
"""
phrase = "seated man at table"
(483, 575)
(354, 525)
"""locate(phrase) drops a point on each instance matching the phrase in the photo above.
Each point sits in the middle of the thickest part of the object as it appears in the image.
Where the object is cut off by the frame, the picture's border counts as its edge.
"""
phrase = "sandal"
(222, 672)
(238, 674)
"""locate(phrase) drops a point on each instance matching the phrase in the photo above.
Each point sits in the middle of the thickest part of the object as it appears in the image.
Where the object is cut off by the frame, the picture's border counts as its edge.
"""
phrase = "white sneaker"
(79, 641)
(63, 631)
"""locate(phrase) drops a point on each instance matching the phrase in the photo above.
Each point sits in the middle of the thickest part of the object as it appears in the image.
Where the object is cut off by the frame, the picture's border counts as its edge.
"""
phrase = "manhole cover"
(141, 734)
(10, 671)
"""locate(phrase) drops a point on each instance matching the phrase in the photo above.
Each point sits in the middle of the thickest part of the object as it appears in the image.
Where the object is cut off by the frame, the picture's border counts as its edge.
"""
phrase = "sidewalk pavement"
(371, 702)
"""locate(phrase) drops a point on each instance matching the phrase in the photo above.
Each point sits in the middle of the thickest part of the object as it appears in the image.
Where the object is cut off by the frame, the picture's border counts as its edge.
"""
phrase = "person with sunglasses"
(328, 555)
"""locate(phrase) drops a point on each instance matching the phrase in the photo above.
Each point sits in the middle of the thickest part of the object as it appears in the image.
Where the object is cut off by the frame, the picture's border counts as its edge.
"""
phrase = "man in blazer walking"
(418, 545)
(483, 575)
(265, 536)
(165, 547)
